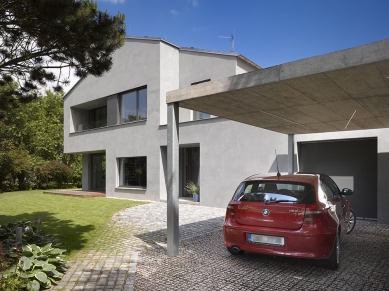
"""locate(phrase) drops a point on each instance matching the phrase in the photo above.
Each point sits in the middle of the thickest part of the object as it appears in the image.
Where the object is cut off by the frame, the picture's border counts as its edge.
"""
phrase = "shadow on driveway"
(204, 264)
(187, 231)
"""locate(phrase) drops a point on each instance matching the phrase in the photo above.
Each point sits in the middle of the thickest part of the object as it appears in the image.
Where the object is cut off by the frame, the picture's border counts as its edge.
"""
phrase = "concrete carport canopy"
(344, 90)
(318, 94)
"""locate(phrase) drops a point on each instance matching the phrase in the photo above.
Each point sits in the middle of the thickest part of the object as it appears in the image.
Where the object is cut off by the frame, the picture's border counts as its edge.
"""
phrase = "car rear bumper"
(310, 241)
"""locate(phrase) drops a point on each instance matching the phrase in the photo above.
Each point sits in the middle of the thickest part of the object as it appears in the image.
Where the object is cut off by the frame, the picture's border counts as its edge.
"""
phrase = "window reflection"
(134, 106)
(133, 172)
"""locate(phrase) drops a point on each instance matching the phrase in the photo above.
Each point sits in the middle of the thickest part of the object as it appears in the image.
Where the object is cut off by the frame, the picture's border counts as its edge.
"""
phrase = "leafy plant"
(12, 282)
(39, 267)
(32, 233)
(192, 188)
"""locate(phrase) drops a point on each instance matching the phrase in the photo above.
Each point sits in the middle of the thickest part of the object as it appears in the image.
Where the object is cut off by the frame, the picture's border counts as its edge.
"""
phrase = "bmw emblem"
(265, 212)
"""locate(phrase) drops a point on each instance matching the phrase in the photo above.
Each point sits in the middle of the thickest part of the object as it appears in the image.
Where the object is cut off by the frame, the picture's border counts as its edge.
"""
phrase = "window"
(200, 115)
(285, 192)
(98, 117)
(329, 187)
(133, 106)
(196, 114)
(133, 172)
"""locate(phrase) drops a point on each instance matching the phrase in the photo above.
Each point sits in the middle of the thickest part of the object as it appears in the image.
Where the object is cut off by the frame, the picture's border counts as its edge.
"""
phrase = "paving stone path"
(110, 263)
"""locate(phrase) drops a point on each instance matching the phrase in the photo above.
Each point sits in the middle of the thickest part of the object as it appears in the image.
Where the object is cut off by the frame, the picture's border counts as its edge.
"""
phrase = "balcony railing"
(92, 125)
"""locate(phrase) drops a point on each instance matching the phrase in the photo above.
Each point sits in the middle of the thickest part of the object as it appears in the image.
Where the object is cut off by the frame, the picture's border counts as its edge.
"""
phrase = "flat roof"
(339, 91)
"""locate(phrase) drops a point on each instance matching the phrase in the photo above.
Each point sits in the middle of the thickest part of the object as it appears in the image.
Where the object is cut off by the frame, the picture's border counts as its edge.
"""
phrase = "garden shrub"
(37, 265)
(32, 233)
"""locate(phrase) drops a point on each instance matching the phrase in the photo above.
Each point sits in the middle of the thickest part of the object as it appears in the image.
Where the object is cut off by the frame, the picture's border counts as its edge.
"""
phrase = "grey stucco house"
(118, 124)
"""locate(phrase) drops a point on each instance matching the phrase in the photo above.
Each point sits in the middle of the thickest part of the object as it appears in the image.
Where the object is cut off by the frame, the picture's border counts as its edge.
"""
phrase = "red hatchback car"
(298, 215)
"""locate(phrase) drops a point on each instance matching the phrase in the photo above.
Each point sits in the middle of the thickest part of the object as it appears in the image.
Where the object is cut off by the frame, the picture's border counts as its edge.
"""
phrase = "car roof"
(295, 177)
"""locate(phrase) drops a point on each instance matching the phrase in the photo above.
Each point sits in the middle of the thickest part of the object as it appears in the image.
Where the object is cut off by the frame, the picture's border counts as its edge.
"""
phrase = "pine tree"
(39, 35)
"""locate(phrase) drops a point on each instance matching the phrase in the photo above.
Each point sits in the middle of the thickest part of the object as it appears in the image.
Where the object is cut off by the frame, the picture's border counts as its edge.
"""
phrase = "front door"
(98, 172)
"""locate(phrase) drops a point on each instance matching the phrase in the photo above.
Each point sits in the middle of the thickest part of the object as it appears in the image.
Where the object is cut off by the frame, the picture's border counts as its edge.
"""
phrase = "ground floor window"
(133, 172)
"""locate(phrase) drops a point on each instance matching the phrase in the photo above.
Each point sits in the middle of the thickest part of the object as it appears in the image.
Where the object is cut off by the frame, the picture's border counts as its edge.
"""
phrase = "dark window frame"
(121, 95)
(128, 175)
(328, 182)
(92, 117)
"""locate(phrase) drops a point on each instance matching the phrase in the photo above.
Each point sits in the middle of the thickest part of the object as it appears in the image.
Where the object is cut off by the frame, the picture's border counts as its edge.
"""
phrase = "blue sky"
(268, 32)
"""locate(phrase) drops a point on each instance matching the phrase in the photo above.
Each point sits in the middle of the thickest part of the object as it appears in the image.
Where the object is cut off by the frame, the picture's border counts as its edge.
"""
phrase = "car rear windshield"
(274, 192)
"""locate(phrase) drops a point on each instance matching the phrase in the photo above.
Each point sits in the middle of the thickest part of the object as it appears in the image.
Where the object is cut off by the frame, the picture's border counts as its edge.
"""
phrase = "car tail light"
(313, 214)
(230, 210)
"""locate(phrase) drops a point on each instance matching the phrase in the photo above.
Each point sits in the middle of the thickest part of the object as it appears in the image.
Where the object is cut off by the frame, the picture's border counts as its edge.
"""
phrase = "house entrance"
(189, 168)
(98, 172)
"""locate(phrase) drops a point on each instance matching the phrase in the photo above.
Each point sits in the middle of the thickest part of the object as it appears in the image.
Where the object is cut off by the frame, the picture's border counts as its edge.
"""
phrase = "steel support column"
(172, 179)
(291, 153)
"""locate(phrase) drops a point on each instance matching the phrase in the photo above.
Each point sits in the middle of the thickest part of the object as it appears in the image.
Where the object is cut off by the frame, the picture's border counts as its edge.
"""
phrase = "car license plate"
(266, 239)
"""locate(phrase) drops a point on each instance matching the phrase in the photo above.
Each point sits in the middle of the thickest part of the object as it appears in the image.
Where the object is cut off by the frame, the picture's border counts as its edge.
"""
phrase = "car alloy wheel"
(351, 221)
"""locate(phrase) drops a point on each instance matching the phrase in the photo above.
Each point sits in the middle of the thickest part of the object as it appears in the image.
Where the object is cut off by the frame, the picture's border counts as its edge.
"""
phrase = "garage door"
(351, 163)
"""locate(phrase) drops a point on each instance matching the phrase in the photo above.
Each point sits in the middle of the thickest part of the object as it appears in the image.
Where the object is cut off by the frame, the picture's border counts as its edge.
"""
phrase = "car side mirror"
(347, 191)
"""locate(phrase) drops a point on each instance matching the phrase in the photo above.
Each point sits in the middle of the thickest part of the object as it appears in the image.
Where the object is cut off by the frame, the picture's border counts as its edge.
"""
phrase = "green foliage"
(5, 261)
(31, 267)
(13, 282)
(37, 268)
(8, 261)
(53, 175)
(31, 146)
(41, 266)
(32, 233)
(38, 35)
(74, 221)
(192, 188)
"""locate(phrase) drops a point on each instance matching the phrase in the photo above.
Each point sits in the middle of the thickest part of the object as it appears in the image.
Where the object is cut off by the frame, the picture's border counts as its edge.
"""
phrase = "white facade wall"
(229, 151)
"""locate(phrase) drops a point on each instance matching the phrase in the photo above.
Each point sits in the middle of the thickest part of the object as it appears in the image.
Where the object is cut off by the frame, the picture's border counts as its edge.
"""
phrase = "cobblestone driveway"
(132, 256)
(204, 264)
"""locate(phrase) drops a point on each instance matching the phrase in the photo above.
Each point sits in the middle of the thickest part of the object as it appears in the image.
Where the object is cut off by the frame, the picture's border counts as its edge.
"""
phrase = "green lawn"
(75, 221)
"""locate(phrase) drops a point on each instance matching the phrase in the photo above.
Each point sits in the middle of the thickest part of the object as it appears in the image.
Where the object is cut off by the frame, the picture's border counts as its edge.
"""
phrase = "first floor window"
(133, 172)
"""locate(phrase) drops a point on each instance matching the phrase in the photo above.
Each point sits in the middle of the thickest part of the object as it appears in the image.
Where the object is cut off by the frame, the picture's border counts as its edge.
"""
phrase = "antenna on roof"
(232, 38)
(278, 171)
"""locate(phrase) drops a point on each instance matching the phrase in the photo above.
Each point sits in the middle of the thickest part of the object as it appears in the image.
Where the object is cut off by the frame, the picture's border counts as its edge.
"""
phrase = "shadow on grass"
(72, 236)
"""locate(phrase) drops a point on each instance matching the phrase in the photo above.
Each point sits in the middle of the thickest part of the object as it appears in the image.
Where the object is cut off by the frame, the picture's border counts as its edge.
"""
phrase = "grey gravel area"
(204, 264)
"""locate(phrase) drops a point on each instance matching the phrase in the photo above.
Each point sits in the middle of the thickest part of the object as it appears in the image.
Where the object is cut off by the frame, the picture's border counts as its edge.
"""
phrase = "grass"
(75, 221)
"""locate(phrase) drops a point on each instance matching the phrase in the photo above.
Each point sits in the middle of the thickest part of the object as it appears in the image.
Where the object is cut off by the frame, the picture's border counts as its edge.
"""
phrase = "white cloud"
(195, 3)
(174, 12)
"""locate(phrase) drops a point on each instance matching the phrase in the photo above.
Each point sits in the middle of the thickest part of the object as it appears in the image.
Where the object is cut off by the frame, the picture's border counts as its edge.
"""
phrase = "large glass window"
(133, 172)
(133, 106)
(98, 117)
